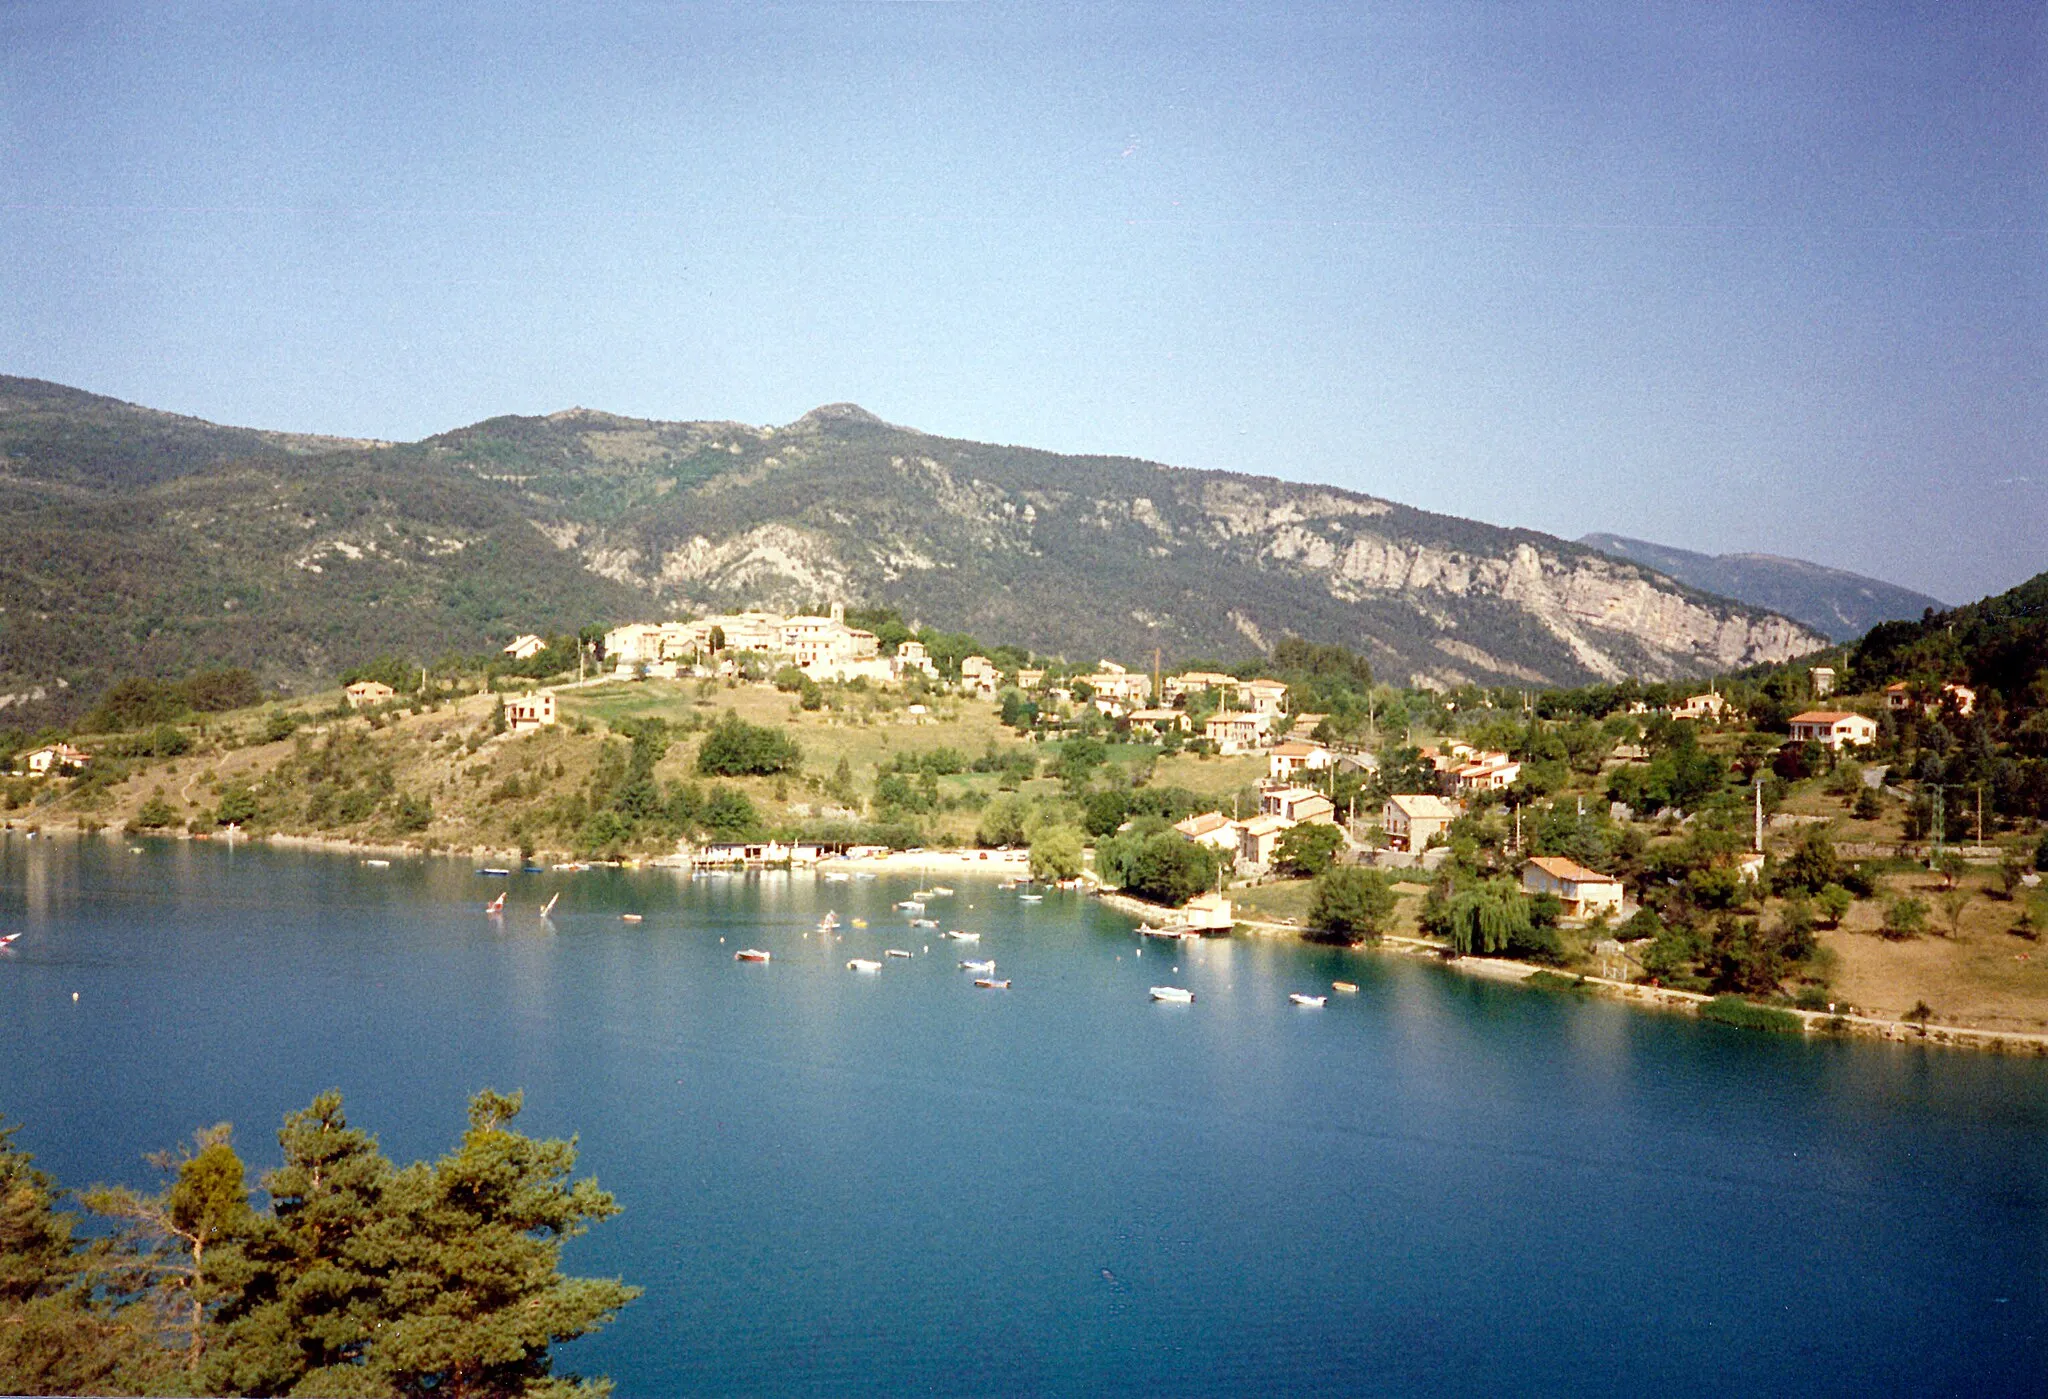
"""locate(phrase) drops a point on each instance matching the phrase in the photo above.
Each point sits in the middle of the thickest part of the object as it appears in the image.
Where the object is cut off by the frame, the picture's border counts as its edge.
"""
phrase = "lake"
(846, 1184)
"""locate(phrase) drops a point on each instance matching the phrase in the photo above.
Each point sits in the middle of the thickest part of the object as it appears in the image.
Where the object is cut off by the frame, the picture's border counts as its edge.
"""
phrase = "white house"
(1257, 837)
(1833, 728)
(1823, 678)
(1298, 805)
(1412, 820)
(1708, 706)
(533, 710)
(1580, 890)
(525, 648)
(1211, 828)
(1263, 696)
(57, 757)
(1233, 732)
(368, 692)
(1294, 757)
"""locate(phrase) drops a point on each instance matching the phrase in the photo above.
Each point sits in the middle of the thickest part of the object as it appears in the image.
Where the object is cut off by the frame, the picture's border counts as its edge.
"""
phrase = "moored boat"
(897, 952)
(956, 935)
(863, 964)
(1301, 999)
(982, 967)
(496, 905)
(495, 872)
(1179, 995)
(629, 918)
(828, 922)
(1347, 987)
(1031, 898)
(549, 906)
(924, 922)
(990, 983)
(910, 905)
(942, 891)
(750, 954)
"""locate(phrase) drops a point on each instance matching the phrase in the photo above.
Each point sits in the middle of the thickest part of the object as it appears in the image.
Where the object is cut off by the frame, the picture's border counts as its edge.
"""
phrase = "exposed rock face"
(1075, 554)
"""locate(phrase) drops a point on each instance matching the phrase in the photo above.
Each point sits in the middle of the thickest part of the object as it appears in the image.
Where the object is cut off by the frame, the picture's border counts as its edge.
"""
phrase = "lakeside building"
(1256, 839)
(533, 710)
(368, 692)
(1211, 828)
(1579, 889)
(1833, 728)
(1412, 820)
(56, 757)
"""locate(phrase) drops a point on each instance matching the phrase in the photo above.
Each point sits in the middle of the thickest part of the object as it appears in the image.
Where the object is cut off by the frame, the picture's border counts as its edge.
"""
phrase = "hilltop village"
(1785, 835)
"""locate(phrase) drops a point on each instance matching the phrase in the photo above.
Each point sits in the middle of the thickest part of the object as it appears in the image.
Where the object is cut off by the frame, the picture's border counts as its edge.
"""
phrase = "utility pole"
(1759, 816)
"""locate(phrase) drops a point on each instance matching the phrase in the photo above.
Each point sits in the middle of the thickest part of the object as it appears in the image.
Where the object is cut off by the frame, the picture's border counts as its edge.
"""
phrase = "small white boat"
(983, 967)
(1031, 898)
(828, 922)
(549, 906)
(862, 964)
(1172, 934)
(1347, 987)
(495, 872)
(750, 954)
(378, 864)
(909, 905)
(923, 894)
(835, 877)
(1177, 994)
(924, 922)
(897, 952)
(991, 984)
(863, 874)
(629, 918)
(1314, 1002)
(956, 935)
(942, 891)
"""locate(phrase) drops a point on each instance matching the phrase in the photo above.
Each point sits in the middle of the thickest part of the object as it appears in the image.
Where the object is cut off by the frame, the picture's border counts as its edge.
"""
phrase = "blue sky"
(1729, 277)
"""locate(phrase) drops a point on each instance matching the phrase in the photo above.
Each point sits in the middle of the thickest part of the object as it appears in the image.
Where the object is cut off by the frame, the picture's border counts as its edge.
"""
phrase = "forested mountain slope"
(138, 541)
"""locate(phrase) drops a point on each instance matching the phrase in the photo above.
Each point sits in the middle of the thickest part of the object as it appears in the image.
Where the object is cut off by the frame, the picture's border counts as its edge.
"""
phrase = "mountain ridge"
(1841, 604)
(147, 542)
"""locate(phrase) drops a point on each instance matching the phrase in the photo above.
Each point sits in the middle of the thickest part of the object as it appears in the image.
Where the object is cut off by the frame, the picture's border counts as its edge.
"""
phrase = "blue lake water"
(839, 1184)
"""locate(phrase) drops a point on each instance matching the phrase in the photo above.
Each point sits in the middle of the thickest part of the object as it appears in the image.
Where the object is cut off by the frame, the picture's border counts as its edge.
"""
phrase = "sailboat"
(549, 906)
(496, 905)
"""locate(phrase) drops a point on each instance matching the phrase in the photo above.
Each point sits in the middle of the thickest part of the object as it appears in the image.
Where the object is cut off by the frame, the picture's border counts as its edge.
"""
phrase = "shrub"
(1904, 917)
(1352, 904)
(1747, 1015)
(1832, 904)
(735, 748)
(1308, 850)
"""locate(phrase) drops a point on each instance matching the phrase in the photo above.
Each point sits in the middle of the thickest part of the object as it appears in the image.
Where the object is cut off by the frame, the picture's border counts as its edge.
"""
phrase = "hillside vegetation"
(139, 541)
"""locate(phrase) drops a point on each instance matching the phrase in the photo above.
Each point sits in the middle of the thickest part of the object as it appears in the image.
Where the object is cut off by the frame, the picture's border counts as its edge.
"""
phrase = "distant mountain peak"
(1842, 604)
(838, 415)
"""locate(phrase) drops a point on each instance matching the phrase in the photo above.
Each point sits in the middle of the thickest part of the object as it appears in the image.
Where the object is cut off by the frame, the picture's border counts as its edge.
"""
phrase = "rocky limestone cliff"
(1081, 555)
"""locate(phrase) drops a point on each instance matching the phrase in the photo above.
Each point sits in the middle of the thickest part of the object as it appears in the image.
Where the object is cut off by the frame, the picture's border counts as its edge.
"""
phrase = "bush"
(1308, 849)
(1153, 861)
(1056, 853)
(279, 726)
(1832, 904)
(1869, 806)
(1747, 1015)
(735, 748)
(1351, 905)
(1904, 917)
(212, 691)
(410, 813)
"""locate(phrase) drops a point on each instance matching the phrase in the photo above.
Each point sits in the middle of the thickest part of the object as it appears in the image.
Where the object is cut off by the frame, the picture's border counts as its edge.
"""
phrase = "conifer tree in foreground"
(360, 1279)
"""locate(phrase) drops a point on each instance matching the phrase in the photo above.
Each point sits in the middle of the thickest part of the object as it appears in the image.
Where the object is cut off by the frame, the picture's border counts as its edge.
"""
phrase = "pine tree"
(472, 1283)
